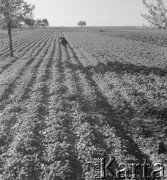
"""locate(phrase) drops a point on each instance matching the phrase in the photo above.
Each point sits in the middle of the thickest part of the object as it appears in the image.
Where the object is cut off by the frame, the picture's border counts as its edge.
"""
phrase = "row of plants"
(27, 49)
(27, 78)
(59, 151)
(25, 81)
(130, 108)
(90, 60)
(31, 45)
(91, 53)
(96, 138)
(10, 116)
(25, 52)
(20, 43)
(146, 36)
(16, 43)
(24, 156)
(19, 38)
(155, 87)
(144, 110)
(122, 50)
(11, 74)
(60, 111)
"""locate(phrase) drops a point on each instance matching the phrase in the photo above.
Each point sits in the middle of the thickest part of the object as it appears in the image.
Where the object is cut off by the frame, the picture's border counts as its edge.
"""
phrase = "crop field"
(104, 94)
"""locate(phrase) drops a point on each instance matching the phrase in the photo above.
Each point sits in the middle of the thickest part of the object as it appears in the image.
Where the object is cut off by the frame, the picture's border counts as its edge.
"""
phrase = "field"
(102, 95)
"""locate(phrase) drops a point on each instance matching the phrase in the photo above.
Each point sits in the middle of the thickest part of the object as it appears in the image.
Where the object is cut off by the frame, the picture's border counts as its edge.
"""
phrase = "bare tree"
(157, 14)
(14, 11)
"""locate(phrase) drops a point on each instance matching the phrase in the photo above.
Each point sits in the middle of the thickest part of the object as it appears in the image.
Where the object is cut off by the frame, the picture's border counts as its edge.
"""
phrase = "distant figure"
(63, 41)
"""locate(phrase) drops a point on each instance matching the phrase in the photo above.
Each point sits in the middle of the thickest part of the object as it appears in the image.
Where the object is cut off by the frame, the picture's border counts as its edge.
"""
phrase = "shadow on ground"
(120, 68)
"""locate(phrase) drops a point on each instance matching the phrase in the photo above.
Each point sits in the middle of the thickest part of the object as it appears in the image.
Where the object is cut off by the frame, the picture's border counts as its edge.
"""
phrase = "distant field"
(102, 95)
(4, 33)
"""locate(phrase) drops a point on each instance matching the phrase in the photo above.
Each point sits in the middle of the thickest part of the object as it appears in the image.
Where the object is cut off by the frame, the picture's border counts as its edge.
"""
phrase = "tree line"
(30, 22)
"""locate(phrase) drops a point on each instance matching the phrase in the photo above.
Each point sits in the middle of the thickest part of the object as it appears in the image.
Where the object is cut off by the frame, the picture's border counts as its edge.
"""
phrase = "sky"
(94, 12)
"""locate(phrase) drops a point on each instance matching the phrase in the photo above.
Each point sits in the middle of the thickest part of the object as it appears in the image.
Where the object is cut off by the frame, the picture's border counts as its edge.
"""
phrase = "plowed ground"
(62, 106)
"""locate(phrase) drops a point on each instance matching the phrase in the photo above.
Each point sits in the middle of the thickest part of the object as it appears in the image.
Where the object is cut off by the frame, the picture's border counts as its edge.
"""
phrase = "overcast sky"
(94, 12)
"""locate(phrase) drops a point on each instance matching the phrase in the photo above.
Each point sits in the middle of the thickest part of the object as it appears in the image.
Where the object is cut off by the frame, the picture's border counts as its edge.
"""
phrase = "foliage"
(45, 21)
(29, 21)
(157, 14)
(15, 10)
(81, 23)
(39, 21)
(3, 24)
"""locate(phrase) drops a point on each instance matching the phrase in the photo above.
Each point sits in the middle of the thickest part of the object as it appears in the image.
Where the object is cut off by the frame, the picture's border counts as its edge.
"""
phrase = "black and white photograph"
(83, 89)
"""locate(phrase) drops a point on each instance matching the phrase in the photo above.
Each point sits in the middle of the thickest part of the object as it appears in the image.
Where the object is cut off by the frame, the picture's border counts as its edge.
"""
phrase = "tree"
(3, 24)
(45, 21)
(157, 14)
(29, 21)
(39, 21)
(13, 11)
(81, 23)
